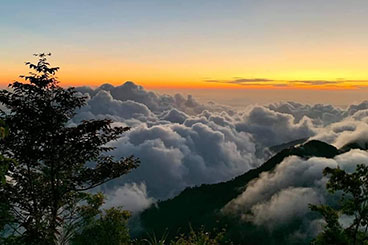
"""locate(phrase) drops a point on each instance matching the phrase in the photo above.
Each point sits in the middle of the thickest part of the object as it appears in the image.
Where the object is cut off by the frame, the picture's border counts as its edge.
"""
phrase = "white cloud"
(281, 196)
(131, 196)
(183, 143)
(271, 128)
(320, 114)
(284, 206)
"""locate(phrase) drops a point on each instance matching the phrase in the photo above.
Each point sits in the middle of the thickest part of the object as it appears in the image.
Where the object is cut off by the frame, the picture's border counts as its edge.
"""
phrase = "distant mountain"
(277, 148)
(197, 206)
(362, 145)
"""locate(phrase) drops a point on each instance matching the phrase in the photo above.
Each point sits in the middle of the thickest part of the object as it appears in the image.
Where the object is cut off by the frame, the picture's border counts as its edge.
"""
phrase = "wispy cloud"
(316, 82)
(282, 83)
(239, 80)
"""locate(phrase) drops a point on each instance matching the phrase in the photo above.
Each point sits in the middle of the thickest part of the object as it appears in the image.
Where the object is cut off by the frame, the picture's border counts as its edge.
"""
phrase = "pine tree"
(55, 164)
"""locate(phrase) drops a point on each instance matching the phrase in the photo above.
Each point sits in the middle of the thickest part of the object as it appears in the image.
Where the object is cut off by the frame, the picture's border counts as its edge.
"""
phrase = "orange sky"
(204, 74)
(281, 45)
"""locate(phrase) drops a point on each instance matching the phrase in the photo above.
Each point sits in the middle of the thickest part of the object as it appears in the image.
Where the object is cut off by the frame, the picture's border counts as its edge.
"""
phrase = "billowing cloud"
(131, 196)
(284, 206)
(174, 116)
(129, 91)
(320, 114)
(270, 127)
(292, 172)
(280, 197)
(352, 129)
(175, 156)
(182, 142)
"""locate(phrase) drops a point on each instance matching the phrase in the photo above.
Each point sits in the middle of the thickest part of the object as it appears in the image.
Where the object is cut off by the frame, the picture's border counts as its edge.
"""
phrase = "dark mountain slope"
(355, 145)
(277, 148)
(201, 205)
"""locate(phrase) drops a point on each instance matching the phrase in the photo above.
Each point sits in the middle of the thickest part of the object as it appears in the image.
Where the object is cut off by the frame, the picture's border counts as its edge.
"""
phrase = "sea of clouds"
(182, 143)
(281, 197)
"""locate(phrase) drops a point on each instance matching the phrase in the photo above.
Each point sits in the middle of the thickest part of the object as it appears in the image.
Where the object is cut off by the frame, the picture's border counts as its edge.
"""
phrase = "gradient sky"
(168, 44)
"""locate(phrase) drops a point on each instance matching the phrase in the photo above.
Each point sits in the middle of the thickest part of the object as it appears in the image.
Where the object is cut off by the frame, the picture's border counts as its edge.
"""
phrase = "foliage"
(200, 237)
(354, 203)
(5, 216)
(153, 240)
(333, 232)
(56, 162)
(4, 162)
(109, 227)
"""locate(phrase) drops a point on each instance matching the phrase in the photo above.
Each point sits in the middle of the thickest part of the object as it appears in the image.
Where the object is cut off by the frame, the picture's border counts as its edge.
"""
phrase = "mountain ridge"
(201, 205)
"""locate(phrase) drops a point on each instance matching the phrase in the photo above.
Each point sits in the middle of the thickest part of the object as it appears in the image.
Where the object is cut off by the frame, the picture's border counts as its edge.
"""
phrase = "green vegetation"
(109, 228)
(353, 203)
(46, 192)
(200, 237)
(4, 167)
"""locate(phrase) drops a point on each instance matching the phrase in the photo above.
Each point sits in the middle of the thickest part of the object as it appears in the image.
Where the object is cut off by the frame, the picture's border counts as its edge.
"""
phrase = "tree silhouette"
(55, 163)
(5, 216)
(353, 203)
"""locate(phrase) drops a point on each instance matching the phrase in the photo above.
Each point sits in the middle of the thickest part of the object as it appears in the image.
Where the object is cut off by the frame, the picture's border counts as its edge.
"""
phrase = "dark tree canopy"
(47, 182)
(353, 203)
(4, 167)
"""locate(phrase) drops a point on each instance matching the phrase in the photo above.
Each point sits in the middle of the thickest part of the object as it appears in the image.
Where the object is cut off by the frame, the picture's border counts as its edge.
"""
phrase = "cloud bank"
(277, 199)
(182, 142)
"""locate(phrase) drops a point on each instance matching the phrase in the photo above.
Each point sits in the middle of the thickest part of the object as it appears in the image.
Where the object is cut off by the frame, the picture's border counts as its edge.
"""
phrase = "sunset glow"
(184, 45)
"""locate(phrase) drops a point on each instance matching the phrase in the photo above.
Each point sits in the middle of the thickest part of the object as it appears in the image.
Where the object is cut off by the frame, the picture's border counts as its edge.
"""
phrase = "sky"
(282, 47)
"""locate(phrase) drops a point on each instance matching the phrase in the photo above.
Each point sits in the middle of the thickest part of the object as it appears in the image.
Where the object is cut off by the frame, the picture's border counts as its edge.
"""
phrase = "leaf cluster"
(101, 226)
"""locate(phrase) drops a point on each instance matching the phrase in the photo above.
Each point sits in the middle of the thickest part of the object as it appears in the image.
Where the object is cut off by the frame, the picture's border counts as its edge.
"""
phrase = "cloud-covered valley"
(281, 197)
(182, 143)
